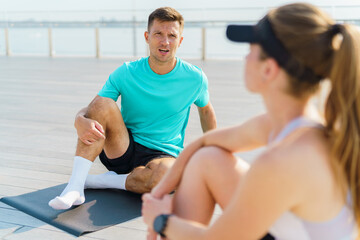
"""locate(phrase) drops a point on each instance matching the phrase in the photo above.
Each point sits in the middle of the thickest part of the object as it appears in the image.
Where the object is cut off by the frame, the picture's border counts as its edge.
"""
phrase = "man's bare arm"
(207, 117)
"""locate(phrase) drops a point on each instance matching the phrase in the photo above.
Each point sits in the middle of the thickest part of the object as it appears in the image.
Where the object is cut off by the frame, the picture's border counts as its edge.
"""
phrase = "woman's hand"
(151, 234)
(153, 207)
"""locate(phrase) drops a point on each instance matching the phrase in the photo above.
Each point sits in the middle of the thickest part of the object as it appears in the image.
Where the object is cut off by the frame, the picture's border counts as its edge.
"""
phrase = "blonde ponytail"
(342, 110)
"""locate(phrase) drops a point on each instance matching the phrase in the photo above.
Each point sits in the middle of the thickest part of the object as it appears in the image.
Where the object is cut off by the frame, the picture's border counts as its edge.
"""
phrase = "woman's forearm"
(172, 178)
(181, 229)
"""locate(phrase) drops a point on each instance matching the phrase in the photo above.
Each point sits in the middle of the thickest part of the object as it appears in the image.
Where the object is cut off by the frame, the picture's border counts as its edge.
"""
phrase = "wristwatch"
(160, 223)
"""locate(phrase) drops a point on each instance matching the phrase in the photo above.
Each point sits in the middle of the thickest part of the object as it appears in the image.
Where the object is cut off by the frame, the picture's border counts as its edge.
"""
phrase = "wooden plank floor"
(39, 98)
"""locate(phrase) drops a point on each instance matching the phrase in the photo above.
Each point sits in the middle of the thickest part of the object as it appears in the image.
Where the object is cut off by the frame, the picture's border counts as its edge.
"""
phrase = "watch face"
(159, 223)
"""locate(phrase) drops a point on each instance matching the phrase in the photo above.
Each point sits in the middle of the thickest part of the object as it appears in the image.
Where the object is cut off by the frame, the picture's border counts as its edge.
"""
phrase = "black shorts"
(136, 155)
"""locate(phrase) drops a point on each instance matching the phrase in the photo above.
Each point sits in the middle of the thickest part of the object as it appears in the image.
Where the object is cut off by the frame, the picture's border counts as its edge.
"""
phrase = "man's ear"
(181, 39)
(146, 35)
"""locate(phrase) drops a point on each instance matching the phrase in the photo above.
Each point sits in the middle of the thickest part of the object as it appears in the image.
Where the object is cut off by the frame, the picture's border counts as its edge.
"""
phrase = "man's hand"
(88, 130)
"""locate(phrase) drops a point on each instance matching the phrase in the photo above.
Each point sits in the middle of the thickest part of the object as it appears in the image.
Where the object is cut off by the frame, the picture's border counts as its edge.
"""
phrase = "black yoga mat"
(102, 208)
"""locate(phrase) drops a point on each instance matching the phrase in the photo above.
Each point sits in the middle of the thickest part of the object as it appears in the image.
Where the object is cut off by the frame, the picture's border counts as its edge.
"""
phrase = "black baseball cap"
(262, 33)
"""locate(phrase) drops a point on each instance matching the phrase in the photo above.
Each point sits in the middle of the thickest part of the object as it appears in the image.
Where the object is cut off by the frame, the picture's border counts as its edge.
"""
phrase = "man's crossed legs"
(131, 166)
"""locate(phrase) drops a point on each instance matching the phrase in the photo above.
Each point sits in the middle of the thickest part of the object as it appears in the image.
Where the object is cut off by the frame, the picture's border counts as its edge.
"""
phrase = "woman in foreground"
(306, 184)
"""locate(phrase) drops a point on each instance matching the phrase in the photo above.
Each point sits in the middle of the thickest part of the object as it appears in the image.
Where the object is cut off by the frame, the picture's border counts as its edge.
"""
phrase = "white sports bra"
(291, 227)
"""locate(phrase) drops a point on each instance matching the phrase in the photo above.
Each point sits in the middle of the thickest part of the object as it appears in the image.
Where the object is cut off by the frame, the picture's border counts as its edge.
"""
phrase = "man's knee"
(158, 170)
(101, 106)
(144, 179)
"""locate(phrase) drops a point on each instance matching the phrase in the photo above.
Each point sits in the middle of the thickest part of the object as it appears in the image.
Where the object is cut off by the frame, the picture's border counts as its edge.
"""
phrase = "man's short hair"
(166, 14)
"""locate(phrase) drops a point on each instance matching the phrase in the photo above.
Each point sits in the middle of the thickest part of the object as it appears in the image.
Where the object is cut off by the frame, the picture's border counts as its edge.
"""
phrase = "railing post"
(147, 51)
(7, 44)
(97, 42)
(203, 48)
(134, 37)
(51, 50)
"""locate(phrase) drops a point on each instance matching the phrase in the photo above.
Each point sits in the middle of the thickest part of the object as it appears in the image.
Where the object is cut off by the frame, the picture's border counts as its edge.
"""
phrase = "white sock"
(73, 193)
(106, 180)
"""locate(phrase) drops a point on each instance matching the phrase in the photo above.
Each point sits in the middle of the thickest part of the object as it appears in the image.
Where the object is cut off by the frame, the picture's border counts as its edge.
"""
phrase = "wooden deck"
(39, 98)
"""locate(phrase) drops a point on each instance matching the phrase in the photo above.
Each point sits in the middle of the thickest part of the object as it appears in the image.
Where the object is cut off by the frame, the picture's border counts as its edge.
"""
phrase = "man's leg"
(141, 180)
(210, 177)
(144, 178)
(106, 112)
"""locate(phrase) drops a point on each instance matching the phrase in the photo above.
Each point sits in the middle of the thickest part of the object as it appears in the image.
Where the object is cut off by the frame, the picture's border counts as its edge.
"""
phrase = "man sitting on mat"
(140, 142)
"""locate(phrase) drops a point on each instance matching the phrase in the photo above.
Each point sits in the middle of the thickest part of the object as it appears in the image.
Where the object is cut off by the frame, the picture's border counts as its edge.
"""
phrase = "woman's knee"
(210, 155)
(215, 158)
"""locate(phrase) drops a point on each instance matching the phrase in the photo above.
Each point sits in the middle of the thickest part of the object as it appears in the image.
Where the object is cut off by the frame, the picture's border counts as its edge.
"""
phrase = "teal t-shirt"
(156, 107)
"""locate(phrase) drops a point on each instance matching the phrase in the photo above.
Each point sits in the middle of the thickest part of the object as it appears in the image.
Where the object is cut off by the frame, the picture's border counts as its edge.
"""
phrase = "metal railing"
(98, 26)
(136, 20)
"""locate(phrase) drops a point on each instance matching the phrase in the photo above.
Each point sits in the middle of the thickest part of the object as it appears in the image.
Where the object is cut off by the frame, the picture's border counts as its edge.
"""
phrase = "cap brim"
(241, 33)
